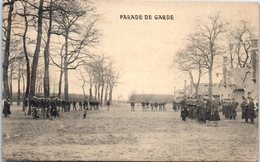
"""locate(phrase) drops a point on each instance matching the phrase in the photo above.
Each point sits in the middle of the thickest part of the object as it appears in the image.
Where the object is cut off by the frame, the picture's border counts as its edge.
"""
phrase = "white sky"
(144, 50)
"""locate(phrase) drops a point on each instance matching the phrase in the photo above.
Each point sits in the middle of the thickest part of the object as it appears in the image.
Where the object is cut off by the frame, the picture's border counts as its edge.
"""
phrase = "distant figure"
(143, 106)
(85, 113)
(243, 107)
(25, 105)
(6, 109)
(132, 106)
(80, 105)
(108, 104)
(215, 112)
(249, 110)
(184, 109)
(74, 105)
(147, 105)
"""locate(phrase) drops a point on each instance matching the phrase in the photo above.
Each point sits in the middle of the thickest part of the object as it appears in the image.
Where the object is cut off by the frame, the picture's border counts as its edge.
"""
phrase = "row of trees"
(44, 33)
(209, 43)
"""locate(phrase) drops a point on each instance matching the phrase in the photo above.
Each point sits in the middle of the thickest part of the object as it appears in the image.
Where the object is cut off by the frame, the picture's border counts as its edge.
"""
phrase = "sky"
(144, 50)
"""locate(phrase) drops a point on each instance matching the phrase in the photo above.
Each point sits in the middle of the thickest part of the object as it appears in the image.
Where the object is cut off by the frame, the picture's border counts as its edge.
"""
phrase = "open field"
(119, 134)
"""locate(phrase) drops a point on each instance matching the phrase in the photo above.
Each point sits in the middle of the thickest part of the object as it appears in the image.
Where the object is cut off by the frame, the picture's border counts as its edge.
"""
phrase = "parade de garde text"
(146, 17)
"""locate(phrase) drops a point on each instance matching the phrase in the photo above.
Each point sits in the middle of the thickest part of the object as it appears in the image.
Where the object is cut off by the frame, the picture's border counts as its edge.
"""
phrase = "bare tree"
(189, 61)
(66, 15)
(206, 40)
(239, 44)
(7, 33)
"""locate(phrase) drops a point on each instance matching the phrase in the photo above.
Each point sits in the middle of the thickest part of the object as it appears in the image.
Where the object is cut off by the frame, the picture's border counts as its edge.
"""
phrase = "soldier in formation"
(200, 109)
(229, 108)
(44, 107)
(248, 109)
(132, 106)
(6, 108)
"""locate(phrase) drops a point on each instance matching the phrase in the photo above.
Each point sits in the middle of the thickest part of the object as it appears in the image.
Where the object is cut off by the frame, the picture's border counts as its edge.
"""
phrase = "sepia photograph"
(129, 80)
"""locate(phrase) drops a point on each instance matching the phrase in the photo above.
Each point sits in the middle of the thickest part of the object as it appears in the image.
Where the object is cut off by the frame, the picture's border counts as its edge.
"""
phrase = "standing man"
(143, 105)
(251, 109)
(215, 112)
(184, 109)
(132, 106)
(243, 107)
(108, 104)
(74, 105)
(6, 110)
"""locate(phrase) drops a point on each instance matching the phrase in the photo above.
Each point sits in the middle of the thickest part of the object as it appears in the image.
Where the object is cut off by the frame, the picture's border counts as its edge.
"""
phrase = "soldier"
(143, 106)
(160, 106)
(201, 104)
(147, 105)
(85, 104)
(163, 105)
(108, 104)
(97, 105)
(34, 104)
(74, 105)
(151, 104)
(174, 105)
(233, 109)
(53, 109)
(208, 109)
(243, 107)
(80, 105)
(63, 105)
(85, 113)
(6, 109)
(25, 105)
(132, 106)
(184, 109)
(249, 110)
(215, 112)
(155, 106)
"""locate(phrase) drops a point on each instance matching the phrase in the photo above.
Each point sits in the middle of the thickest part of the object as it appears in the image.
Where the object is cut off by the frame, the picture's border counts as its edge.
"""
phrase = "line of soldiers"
(248, 109)
(45, 107)
(153, 106)
(229, 108)
(200, 108)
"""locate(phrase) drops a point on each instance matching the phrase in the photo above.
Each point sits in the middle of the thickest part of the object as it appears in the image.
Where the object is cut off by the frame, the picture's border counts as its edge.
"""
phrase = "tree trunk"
(19, 85)
(60, 82)
(36, 54)
(46, 80)
(90, 93)
(11, 85)
(110, 94)
(28, 73)
(66, 81)
(210, 86)
(99, 90)
(7, 50)
(95, 91)
(106, 92)
(102, 93)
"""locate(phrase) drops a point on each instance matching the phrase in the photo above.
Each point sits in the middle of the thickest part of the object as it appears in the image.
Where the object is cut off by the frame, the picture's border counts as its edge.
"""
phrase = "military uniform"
(184, 109)
(132, 106)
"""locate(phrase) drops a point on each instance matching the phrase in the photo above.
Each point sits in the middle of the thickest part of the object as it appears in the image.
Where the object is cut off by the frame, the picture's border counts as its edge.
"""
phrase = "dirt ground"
(119, 134)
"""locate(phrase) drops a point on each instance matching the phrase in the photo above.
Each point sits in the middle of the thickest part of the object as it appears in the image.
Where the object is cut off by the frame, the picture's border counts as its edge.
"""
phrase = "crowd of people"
(203, 109)
(49, 107)
(149, 106)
